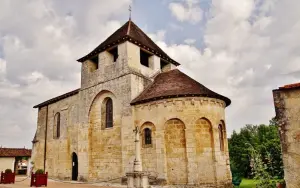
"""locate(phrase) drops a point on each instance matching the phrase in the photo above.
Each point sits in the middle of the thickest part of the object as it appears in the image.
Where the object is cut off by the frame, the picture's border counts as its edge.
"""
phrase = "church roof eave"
(174, 84)
(58, 98)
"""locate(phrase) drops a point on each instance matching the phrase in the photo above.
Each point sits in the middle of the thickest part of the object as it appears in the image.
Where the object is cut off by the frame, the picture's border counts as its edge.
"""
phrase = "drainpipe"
(45, 148)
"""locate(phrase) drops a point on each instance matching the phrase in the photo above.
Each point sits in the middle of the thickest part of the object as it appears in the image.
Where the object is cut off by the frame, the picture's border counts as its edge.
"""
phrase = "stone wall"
(287, 106)
(105, 150)
(105, 155)
(148, 151)
(186, 130)
(176, 155)
(39, 147)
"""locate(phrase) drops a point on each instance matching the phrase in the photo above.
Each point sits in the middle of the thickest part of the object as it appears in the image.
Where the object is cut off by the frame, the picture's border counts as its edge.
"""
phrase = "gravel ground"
(54, 184)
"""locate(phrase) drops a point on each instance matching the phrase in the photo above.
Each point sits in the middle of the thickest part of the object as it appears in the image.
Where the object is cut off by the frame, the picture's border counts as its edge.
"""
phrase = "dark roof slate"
(58, 98)
(15, 152)
(130, 32)
(174, 84)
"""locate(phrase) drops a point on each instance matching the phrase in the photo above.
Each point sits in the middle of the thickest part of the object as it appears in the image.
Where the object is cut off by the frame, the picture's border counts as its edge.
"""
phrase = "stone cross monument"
(137, 178)
(137, 165)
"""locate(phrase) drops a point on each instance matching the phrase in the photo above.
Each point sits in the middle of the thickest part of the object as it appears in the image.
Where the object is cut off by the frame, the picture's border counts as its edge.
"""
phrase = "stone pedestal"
(137, 180)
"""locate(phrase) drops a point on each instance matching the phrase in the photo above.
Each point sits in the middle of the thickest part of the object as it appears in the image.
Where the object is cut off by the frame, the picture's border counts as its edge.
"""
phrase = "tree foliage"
(262, 138)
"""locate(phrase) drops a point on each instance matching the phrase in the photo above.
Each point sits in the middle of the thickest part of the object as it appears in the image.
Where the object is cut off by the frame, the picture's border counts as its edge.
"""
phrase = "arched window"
(221, 137)
(109, 113)
(56, 128)
(147, 136)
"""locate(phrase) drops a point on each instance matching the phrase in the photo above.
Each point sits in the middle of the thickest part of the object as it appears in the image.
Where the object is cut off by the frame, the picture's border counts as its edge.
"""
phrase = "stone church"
(128, 81)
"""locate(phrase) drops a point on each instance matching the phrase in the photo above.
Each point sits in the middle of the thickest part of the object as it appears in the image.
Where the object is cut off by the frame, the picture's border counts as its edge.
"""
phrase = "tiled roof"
(55, 99)
(291, 86)
(15, 152)
(130, 32)
(174, 84)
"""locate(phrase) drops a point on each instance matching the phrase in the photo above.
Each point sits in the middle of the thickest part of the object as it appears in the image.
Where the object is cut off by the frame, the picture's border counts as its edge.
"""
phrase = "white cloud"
(2, 67)
(158, 36)
(189, 11)
(251, 47)
(38, 55)
(190, 41)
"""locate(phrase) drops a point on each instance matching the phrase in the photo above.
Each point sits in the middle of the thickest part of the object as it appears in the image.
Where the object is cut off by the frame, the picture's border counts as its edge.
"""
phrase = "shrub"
(39, 171)
(8, 171)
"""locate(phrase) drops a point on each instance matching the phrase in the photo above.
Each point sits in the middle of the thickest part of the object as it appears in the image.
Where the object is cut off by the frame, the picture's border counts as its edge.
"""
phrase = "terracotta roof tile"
(15, 152)
(290, 86)
(130, 32)
(174, 84)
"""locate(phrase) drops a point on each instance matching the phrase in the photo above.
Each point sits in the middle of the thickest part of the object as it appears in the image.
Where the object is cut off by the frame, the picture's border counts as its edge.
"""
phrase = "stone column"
(137, 167)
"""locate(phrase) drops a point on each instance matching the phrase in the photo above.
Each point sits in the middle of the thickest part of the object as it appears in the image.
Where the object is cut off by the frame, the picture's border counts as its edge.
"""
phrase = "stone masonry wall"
(176, 156)
(103, 150)
(207, 165)
(58, 150)
(105, 159)
(148, 152)
(287, 106)
(39, 146)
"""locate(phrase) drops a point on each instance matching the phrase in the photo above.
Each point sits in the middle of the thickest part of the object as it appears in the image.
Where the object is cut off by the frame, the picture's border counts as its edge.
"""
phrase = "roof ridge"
(128, 28)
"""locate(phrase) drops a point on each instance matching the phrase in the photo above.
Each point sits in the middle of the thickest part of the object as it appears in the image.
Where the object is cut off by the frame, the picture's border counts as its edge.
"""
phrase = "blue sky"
(239, 48)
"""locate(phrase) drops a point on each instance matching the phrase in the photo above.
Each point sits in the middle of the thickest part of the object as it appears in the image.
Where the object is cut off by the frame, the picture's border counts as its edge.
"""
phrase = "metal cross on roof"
(129, 12)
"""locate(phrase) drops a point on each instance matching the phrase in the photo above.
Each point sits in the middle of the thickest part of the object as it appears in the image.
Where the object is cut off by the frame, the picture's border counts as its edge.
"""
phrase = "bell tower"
(127, 50)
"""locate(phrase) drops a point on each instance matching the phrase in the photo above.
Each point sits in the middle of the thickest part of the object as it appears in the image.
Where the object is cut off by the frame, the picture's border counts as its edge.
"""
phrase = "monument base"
(137, 179)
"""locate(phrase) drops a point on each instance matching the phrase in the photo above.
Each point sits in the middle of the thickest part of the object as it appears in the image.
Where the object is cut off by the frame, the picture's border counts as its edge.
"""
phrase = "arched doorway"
(74, 166)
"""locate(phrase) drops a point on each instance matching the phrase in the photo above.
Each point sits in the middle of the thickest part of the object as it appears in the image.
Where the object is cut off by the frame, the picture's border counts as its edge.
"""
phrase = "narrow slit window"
(148, 138)
(109, 113)
(56, 128)
(221, 137)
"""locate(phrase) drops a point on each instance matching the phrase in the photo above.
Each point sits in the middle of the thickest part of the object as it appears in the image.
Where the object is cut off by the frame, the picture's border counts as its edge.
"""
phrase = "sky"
(242, 49)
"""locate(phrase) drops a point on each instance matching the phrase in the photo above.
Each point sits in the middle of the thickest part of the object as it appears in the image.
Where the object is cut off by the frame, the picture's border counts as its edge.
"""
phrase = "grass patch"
(248, 183)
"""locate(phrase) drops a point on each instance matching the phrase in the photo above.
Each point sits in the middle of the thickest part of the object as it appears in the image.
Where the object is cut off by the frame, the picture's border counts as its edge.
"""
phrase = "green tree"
(260, 170)
(265, 140)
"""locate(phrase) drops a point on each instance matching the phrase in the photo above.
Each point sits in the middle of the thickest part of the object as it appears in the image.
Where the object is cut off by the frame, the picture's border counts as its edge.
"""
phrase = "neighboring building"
(129, 81)
(16, 159)
(287, 107)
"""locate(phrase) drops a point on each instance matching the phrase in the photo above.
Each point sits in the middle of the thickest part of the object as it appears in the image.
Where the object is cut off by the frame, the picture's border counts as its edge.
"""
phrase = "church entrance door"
(74, 166)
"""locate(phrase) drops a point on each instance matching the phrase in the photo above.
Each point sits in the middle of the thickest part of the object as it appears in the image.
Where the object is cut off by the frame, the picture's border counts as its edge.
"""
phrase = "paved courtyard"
(54, 184)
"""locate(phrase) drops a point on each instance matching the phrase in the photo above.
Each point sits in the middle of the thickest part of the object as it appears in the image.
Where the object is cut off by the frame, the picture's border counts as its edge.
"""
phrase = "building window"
(144, 58)
(147, 136)
(114, 53)
(94, 63)
(163, 64)
(108, 113)
(56, 128)
(221, 137)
